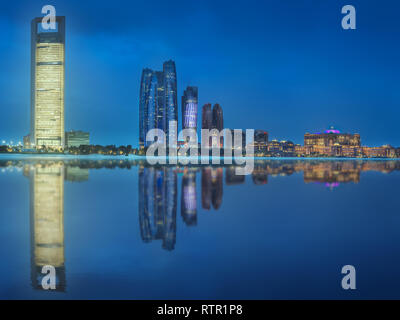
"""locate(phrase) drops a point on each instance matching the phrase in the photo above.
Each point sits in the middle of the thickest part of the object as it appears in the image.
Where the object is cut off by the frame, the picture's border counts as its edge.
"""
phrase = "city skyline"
(354, 108)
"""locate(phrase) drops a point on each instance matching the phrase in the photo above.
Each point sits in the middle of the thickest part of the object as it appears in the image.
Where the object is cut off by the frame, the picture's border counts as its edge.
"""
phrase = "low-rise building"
(76, 139)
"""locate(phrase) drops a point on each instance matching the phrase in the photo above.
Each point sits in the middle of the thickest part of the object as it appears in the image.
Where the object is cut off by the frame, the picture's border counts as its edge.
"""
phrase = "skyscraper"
(189, 108)
(143, 114)
(170, 96)
(206, 122)
(47, 84)
(158, 100)
(218, 121)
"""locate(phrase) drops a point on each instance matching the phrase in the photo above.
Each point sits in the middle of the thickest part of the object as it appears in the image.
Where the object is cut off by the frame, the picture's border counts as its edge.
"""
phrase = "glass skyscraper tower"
(143, 113)
(189, 108)
(171, 98)
(47, 84)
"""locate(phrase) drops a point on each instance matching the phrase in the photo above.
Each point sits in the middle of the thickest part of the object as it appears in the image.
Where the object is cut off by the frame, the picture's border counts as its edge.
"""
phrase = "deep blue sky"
(285, 66)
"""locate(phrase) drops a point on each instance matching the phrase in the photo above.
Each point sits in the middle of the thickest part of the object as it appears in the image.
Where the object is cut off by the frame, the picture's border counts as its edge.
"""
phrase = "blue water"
(114, 228)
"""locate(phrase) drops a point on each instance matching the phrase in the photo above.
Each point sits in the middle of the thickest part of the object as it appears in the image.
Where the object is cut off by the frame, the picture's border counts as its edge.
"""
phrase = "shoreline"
(50, 156)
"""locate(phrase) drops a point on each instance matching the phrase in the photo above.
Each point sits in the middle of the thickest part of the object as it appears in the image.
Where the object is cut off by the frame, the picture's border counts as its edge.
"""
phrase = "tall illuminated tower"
(47, 84)
(170, 96)
(189, 108)
(143, 109)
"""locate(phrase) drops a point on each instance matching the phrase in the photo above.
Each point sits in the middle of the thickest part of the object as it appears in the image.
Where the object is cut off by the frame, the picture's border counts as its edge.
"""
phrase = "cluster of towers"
(158, 105)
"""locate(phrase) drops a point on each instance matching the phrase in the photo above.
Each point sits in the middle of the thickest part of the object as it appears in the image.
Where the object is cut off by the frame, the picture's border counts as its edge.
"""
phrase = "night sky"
(285, 66)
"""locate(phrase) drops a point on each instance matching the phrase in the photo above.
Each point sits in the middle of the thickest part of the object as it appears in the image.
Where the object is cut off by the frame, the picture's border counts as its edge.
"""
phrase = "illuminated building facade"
(47, 84)
(332, 137)
(189, 108)
(274, 146)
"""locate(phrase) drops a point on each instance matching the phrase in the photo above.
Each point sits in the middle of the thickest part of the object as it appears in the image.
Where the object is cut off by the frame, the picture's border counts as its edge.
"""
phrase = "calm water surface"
(117, 228)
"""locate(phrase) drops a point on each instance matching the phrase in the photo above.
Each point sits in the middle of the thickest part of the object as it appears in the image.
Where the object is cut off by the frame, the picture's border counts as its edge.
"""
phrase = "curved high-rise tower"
(170, 96)
(143, 110)
(189, 108)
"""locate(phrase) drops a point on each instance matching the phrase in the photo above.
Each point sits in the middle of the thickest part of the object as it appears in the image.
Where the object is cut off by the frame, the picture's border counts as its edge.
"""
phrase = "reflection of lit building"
(76, 174)
(332, 172)
(47, 84)
(206, 188)
(211, 187)
(47, 222)
(217, 185)
(188, 198)
(157, 205)
(259, 174)
(232, 178)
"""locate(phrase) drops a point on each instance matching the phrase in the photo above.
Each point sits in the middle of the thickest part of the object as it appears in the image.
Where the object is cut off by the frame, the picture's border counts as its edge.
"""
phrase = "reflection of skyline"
(158, 193)
(211, 187)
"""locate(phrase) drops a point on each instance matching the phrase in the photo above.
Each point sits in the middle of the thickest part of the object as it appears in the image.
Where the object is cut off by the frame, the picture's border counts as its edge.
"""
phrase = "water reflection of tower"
(157, 205)
(260, 173)
(231, 178)
(47, 223)
(211, 187)
(188, 198)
